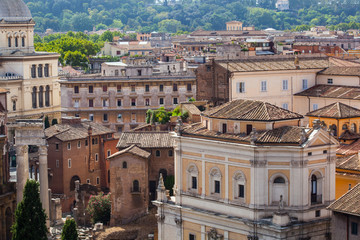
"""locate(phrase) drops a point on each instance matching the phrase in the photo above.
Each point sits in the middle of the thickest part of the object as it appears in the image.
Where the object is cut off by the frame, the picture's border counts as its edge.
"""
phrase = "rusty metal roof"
(251, 110)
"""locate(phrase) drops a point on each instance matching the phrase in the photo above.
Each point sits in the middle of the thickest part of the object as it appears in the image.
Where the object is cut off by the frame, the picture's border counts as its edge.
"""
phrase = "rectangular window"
(105, 102)
(161, 88)
(56, 146)
(191, 236)
(330, 81)
(91, 102)
(119, 117)
(133, 102)
(208, 68)
(46, 70)
(105, 117)
(69, 146)
(241, 191)
(132, 88)
(88, 181)
(86, 142)
(315, 107)
(69, 163)
(216, 186)
(119, 102)
(147, 88)
(304, 84)
(194, 182)
(285, 106)
(175, 87)
(79, 144)
(97, 180)
(91, 89)
(354, 228)
(139, 72)
(241, 87)
(40, 70)
(104, 88)
(57, 163)
(76, 103)
(91, 117)
(188, 87)
(224, 128)
(161, 101)
(118, 88)
(33, 71)
(147, 102)
(76, 89)
(175, 101)
(108, 153)
(285, 85)
(96, 157)
(263, 86)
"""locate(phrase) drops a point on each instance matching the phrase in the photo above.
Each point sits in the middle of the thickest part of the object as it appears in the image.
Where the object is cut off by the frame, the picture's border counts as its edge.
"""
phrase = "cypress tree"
(30, 217)
(46, 122)
(69, 231)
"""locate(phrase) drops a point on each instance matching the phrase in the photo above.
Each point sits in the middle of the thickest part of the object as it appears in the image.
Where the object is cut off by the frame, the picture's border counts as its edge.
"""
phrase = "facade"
(273, 183)
(7, 189)
(234, 25)
(347, 170)
(120, 103)
(134, 172)
(346, 42)
(77, 151)
(346, 215)
(282, 5)
(30, 77)
(116, 49)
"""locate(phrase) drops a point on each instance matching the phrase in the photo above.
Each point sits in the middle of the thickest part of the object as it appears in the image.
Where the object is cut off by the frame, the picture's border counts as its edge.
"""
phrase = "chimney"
(297, 63)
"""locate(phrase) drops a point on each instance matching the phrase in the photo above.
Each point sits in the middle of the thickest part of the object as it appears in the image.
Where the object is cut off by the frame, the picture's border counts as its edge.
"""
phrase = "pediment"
(320, 138)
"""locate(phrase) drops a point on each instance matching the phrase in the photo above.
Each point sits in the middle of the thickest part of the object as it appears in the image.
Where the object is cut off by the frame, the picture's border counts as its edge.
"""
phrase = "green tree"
(46, 122)
(169, 25)
(30, 217)
(99, 208)
(69, 231)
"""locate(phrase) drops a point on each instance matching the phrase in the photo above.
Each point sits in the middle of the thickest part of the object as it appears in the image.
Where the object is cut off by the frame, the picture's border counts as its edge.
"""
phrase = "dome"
(14, 11)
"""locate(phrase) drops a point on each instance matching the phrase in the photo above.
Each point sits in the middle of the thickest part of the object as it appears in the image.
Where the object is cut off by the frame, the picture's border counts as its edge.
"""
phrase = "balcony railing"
(316, 199)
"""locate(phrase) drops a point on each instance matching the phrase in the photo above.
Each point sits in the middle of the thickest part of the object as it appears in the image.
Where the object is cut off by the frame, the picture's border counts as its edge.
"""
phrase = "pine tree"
(46, 122)
(30, 217)
(69, 231)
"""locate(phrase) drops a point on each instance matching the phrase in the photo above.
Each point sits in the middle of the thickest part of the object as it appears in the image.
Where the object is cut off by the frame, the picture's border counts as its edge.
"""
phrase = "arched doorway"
(72, 182)
(8, 223)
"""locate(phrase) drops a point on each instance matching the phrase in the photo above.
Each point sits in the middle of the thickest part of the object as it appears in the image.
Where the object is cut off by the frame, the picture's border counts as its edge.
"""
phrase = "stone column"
(22, 170)
(44, 182)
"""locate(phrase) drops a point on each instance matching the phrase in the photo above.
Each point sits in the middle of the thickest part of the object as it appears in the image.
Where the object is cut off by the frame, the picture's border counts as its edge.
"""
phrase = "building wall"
(343, 180)
(338, 80)
(131, 116)
(126, 203)
(341, 226)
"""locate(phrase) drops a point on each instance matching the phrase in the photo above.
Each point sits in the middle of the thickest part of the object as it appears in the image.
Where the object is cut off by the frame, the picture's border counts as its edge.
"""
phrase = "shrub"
(69, 231)
(99, 208)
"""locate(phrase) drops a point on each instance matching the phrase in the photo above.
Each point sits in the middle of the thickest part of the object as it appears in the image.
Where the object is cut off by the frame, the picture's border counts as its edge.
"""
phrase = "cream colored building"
(273, 183)
(30, 77)
(234, 25)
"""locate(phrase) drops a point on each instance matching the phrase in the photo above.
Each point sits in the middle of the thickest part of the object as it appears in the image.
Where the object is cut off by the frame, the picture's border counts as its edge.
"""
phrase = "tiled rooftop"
(342, 71)
(332, 91)
(251, 110)
(349, 203)
(349, 149)
(350, 162)
(145, 140)
(67, 132)
(336, 110)
(133, 149)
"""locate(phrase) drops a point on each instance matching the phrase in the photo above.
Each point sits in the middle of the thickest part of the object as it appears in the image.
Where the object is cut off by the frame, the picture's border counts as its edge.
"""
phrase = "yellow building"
(30, 77)
(235, 182)
(347, 173)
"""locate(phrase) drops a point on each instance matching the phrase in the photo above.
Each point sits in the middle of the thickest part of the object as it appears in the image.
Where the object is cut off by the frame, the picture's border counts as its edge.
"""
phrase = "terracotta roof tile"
(145, 140)
(191, 108)
(349, 149)
(332, 91)
(133, 149)
(342, 71)
(251, 110)
(350, 162)
(348, 203)
(67, 132)
(349, 135)
(336, 110)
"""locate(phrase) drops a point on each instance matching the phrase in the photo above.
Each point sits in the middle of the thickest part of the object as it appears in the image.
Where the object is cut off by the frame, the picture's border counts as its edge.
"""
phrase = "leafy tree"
(69, 231)
(75, 59)
(46, 122)
(30, 217)
(99, 208)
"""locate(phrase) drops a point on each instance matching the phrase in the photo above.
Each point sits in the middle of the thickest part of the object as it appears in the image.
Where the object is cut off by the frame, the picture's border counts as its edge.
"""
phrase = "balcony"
(15, 77)
(316, 199)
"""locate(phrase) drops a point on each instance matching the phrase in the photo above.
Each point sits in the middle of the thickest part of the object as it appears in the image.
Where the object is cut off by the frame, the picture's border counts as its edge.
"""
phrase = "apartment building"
(120, 103)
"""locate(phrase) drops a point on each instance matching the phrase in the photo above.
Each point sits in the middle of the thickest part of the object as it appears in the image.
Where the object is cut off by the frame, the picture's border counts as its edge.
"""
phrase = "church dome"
(14, 11)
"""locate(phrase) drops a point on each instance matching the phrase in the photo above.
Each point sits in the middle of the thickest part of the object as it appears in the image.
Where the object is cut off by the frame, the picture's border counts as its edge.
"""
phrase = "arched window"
(124, 164)
(333, 130)
(278, 187)
(239, 186)
(192, 175)
(344, 127)
(47, 96)
(16, 41)
(316, 188)
(34, 97)
(136, 187)
(40, 70)
(9, 41)
(72, 182)
(353, 127)
(41, 96)
(215, 181)
(23, 41)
